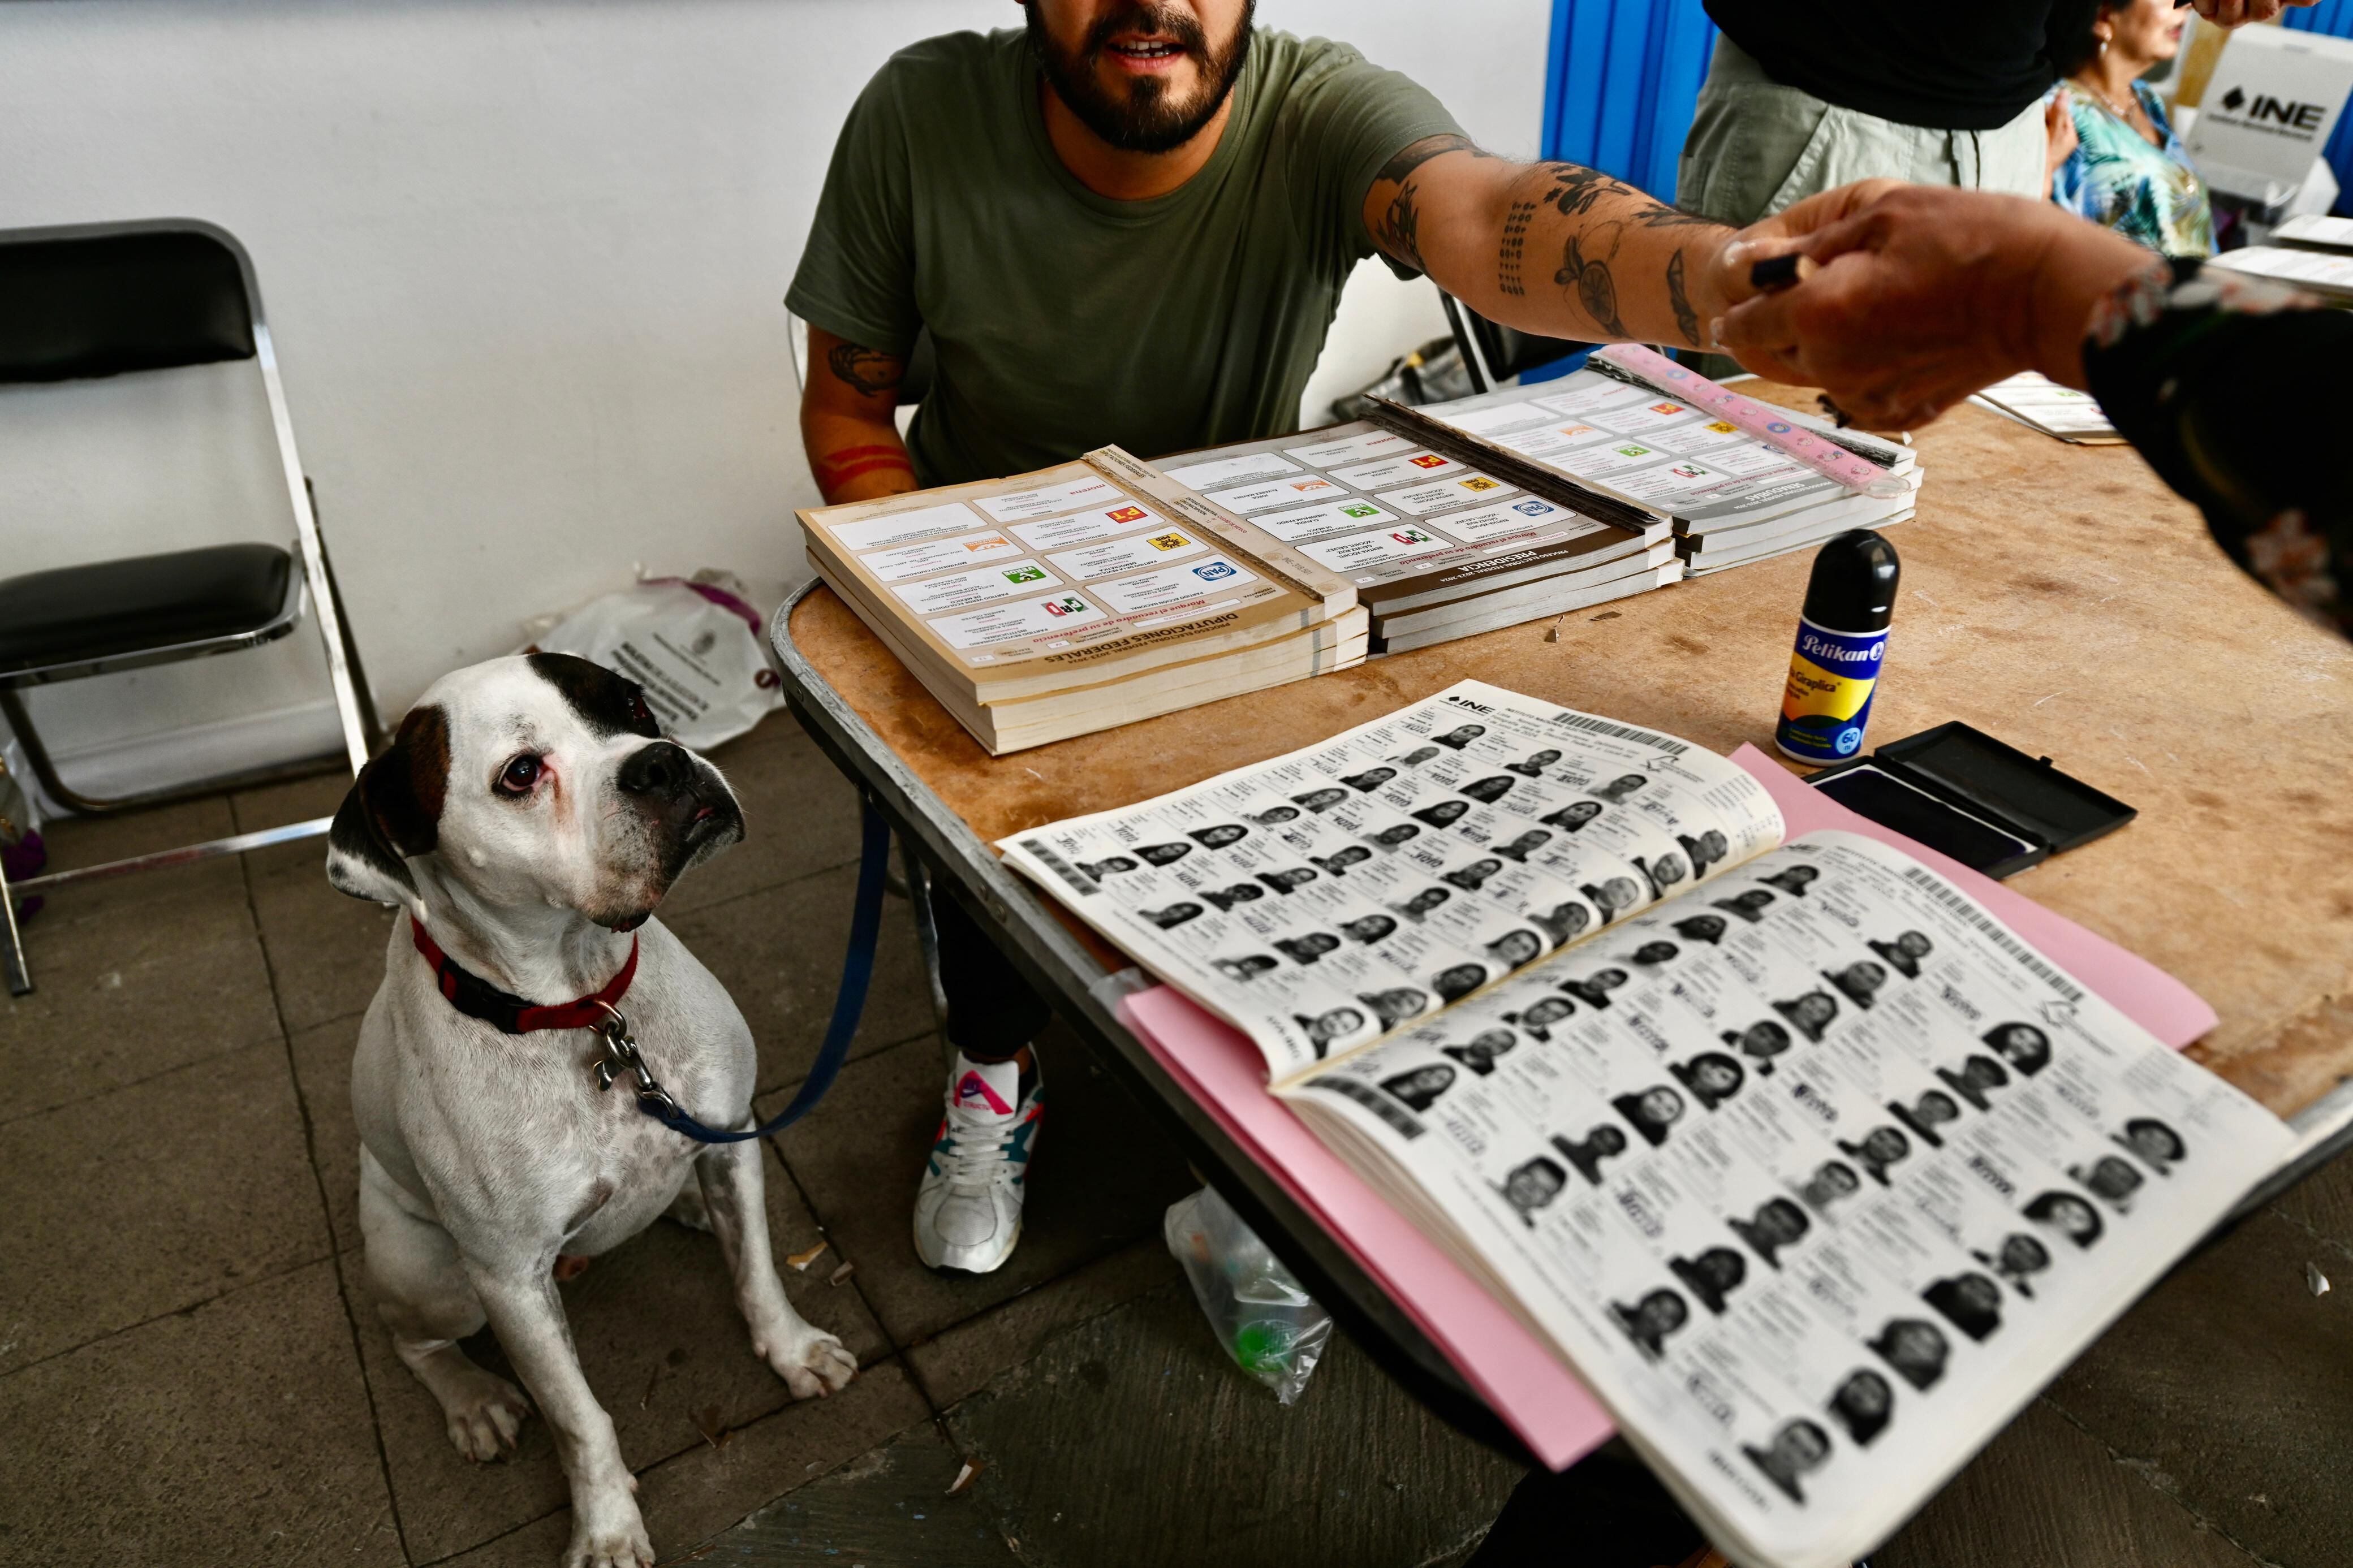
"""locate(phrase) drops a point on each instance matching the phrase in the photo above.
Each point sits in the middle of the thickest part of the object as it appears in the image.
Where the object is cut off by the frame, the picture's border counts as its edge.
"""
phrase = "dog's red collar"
(477, 998)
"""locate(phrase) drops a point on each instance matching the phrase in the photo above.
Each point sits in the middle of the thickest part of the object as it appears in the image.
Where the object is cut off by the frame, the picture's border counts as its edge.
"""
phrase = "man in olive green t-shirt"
(1130, 223)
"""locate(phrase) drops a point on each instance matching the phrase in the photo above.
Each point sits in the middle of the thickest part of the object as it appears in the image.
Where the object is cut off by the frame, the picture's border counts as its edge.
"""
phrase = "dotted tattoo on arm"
(1516, 240)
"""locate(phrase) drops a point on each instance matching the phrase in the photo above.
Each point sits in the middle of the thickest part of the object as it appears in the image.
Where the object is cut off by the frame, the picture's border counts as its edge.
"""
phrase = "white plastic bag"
(1272, 1328)
(693, 645)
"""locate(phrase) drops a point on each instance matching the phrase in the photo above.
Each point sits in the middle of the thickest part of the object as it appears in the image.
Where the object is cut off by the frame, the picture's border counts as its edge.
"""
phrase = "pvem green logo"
(1025, 574)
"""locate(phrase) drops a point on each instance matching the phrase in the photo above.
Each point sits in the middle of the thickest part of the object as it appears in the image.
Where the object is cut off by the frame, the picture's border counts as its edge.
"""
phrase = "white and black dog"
(528, 817)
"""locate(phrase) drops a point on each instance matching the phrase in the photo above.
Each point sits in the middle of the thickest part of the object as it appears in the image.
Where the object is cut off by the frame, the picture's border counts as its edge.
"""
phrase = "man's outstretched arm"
(1552, 249)
(848, 421)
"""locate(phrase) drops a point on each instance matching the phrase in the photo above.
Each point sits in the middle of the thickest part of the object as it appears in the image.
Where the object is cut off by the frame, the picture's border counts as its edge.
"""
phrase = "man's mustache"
(1162, 22)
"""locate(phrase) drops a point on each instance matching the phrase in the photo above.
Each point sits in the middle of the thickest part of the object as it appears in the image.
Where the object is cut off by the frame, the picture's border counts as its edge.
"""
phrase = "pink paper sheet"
(1509, 1367)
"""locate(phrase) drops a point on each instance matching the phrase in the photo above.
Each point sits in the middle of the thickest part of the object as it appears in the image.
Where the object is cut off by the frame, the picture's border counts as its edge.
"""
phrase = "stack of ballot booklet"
(1615, 448)
(1809, 1167)
(2039, 403)
(2311, 252)
(1080, 597)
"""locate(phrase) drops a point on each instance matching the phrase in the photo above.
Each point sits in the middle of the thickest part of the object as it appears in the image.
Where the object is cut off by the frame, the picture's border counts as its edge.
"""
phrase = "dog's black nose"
(664, 771)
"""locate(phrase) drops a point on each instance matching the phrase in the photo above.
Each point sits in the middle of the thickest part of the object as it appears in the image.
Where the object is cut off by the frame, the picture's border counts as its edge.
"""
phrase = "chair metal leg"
(12, 709)
(13, 967)
(324, 603)
(371, 724)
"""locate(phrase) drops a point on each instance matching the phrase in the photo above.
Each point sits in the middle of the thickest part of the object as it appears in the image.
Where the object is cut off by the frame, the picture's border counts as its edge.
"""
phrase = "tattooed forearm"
(1422, 151)
(1679, 301)
(1401, 233)
(1516, 240)
(1587, 279)
(870, 373)
(1576, 189)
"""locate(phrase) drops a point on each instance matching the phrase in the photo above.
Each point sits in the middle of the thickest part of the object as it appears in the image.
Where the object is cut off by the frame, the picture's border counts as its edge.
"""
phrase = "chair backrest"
(1495, 352)
(102, 300)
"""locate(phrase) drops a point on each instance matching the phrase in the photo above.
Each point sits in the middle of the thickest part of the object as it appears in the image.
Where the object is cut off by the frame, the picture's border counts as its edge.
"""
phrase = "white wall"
(524, 262)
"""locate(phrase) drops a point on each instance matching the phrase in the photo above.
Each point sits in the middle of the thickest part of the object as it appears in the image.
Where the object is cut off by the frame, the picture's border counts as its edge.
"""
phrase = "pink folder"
(1508, 1366)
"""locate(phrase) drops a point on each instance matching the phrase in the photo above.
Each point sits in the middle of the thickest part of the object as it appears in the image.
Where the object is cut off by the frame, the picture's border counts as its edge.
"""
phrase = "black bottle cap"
(1852, 588)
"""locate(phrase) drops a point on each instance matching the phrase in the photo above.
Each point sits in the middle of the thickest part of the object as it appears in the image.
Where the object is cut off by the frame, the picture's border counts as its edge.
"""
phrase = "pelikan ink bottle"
(1841, 643)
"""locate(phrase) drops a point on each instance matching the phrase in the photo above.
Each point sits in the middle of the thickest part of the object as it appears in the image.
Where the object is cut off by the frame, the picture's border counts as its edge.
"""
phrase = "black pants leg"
(992, 1011)
(1604, 1511)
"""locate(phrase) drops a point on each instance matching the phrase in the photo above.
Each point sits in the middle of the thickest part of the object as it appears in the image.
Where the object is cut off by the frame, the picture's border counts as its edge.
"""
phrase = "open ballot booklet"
(1080, 597)
(1809, 1167)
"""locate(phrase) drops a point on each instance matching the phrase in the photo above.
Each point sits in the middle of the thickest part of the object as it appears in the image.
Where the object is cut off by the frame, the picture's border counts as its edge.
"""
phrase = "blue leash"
(621, 1053)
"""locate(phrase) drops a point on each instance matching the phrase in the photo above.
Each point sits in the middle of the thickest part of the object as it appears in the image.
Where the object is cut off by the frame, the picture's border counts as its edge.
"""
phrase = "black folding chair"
(1494, 352)
(104, 299)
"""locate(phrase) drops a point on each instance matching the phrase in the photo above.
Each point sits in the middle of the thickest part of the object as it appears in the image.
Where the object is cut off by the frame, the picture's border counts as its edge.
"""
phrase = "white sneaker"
(968, 1209)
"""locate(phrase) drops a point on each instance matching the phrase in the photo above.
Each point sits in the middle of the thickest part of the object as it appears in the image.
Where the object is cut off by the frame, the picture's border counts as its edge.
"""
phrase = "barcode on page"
(1622, 731)
(1079, 881)
(1930, 883)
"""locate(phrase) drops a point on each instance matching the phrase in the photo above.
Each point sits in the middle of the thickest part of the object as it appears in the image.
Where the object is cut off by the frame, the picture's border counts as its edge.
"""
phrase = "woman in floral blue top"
(2115, 158)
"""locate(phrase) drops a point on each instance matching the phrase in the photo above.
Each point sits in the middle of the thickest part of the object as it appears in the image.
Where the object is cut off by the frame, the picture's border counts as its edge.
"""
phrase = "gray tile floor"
(191, 1372)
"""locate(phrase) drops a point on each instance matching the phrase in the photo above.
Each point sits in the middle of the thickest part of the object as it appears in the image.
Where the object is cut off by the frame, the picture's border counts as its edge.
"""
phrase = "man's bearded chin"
(1144, 119)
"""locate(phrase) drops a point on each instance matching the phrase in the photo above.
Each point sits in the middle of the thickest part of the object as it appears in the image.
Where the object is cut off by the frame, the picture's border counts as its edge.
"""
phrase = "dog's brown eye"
(521, 774)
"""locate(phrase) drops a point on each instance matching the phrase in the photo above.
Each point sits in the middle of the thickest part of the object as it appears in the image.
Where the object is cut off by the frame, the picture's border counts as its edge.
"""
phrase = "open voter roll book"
(1808, 1165)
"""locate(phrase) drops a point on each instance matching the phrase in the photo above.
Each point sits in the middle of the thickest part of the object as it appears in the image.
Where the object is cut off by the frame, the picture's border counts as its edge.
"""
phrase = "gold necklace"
(2120, 110)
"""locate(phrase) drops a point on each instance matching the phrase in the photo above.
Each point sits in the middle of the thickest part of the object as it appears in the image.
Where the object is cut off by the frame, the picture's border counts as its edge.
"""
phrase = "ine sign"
(2269, 109)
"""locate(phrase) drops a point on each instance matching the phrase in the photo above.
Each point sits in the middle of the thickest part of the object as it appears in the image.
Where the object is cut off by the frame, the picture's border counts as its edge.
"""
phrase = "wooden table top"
(2058, 597)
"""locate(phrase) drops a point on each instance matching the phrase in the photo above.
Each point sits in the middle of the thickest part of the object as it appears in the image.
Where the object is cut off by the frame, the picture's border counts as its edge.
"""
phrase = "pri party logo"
(1068, 605)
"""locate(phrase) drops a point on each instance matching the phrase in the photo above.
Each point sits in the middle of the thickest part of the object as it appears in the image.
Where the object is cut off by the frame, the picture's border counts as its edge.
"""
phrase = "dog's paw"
(812, 1363)
(608, 1534)
(484, 1416)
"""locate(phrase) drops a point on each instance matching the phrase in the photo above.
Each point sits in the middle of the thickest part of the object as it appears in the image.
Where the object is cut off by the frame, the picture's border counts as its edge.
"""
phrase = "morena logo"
(2295, 116)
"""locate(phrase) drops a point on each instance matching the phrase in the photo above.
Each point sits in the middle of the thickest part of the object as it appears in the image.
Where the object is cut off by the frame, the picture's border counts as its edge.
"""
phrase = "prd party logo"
(1481, 482)
(1168, 541)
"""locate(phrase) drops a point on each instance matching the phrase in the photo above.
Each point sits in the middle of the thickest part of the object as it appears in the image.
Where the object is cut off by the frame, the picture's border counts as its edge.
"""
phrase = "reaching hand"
(2059, 133)
(1921, 295)
(2232, 13)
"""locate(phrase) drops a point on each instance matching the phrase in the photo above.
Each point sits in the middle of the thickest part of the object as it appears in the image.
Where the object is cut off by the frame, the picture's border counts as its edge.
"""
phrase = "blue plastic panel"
(1625, 75)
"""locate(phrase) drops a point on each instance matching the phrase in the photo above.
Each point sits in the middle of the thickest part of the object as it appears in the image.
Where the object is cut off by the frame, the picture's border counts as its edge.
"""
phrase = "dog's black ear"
(392, 811)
